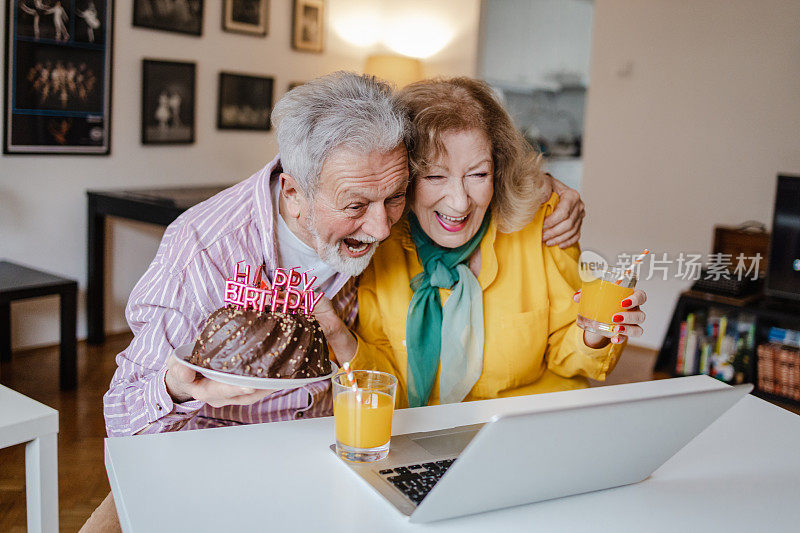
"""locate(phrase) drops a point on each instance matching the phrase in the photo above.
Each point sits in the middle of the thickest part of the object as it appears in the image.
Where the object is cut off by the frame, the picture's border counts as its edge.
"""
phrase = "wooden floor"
(82, 478)
(82, 481)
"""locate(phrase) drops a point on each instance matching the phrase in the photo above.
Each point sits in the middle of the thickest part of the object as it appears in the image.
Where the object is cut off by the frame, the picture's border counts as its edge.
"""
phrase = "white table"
(35, 424)
(741, 474)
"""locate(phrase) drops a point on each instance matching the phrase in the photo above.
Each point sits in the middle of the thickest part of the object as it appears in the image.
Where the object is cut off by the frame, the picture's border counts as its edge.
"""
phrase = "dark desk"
(18, 282)
(157, 206)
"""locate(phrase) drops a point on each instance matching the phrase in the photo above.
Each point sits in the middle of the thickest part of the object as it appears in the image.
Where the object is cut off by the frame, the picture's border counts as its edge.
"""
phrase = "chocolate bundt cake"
(266, 345)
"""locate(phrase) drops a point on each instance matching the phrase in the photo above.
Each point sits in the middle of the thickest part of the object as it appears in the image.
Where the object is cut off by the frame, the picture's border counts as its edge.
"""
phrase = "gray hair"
(341, 109)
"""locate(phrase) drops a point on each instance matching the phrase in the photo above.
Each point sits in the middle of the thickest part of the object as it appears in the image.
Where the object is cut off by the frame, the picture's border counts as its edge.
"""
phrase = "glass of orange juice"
(601, 297)
(362, 413)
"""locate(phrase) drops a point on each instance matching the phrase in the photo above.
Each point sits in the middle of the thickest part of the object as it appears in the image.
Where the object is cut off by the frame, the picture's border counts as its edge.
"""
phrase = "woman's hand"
(626, 324)
(336, 332)
(563, 226)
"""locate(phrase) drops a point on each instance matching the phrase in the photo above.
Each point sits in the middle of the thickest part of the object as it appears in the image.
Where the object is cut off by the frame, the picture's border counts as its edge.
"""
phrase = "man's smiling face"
(358, 199)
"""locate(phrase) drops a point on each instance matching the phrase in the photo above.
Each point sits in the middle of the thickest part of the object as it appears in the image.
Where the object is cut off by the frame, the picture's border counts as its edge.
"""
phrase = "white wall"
(694, 108)
(42, 198)
(568, 170)
(526, 41)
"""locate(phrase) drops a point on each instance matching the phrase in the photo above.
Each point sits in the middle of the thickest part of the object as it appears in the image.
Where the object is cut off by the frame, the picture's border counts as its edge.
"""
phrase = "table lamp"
(397, 69)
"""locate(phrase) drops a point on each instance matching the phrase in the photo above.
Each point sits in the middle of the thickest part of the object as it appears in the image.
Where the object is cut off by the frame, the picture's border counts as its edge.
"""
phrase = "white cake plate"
(182, 353)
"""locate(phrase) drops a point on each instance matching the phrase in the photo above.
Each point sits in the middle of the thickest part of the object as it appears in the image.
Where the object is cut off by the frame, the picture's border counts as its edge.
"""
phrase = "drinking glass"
(362, 412)
(602, 293)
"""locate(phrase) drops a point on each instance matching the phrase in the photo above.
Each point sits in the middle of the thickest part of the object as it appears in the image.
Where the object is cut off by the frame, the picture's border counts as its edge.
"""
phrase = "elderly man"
(341, 141)
(325, 203)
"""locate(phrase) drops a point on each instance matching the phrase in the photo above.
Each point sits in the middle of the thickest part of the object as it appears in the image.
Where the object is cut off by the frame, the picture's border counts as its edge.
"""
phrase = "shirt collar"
(265, 213)
(265, 216)
(293, 252)
(488, 271)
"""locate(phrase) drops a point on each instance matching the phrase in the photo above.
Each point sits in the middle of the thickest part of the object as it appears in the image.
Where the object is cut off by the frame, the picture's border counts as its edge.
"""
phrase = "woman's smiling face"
(452, 195)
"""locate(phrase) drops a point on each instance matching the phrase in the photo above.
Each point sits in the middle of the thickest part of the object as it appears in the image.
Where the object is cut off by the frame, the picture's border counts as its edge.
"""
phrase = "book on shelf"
(785, 337)
(717, 344)
(691, 351)
(681, 348)
(779, 363)
(779, 369)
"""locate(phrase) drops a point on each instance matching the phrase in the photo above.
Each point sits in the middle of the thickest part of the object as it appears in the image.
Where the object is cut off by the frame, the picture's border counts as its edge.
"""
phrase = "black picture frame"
(308, 25)
(57, 78)
(248, 17)
(166, 15)
(244, 102)
(168, 101)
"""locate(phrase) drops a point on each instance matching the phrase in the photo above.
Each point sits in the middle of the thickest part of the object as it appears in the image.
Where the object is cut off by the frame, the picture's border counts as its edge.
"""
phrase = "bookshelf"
(752, 317)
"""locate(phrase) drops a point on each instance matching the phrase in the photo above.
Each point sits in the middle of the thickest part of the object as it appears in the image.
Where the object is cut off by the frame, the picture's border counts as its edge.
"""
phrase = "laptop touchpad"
(446, 445)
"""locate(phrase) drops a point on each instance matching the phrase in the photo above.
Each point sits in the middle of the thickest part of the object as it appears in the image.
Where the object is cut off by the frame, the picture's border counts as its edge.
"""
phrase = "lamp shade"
(400, 70)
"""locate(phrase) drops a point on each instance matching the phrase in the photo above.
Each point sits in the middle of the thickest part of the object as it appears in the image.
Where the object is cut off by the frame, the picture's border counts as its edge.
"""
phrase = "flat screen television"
(783, 273)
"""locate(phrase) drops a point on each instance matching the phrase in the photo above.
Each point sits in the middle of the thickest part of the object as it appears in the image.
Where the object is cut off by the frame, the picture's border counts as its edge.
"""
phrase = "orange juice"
(601, 300)
(364, 424)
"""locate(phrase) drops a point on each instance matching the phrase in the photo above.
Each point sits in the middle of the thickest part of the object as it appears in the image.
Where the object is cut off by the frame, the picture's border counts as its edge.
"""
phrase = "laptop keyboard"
(416, 481)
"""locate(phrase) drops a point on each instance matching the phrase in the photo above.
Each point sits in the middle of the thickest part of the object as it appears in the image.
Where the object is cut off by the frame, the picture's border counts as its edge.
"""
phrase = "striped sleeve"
(162, 315)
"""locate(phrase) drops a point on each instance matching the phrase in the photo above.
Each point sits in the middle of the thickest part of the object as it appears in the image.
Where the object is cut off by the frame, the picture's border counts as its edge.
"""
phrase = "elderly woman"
(464, 301)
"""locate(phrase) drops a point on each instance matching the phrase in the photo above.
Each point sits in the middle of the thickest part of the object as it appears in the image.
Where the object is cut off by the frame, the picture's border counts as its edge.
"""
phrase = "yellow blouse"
(532, 344)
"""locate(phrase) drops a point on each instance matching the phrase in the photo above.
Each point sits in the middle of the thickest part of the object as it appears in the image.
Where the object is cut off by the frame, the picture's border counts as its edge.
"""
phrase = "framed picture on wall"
(246, 16)
(180, 16)
(168, 102)
(245, 102)
(307, 25)
(57, 85)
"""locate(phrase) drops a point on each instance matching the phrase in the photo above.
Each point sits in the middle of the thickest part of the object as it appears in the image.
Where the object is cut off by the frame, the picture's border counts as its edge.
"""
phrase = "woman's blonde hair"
(443, 105)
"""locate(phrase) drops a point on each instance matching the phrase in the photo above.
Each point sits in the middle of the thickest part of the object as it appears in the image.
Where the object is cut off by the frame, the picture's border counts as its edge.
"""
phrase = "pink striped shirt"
(182, 286)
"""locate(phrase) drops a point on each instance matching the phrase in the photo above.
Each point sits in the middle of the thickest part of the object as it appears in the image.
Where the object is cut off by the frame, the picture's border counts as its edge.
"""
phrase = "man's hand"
(336, 332)
(184, 384)
(563, 226)
(328, 320)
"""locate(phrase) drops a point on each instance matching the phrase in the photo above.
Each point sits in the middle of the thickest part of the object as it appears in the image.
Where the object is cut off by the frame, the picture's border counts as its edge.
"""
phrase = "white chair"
(35, 424)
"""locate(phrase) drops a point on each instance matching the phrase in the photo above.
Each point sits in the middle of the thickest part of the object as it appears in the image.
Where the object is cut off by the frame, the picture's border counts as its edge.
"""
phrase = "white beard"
(332, 256)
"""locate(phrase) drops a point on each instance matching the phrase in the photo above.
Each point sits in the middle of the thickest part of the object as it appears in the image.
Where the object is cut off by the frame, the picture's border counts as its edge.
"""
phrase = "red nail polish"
(618, 318)
(577, 293)
(620, 329)
(626, 302)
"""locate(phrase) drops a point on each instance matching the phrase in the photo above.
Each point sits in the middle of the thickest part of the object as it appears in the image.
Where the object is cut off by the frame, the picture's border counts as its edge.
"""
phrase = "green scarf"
(453, 333)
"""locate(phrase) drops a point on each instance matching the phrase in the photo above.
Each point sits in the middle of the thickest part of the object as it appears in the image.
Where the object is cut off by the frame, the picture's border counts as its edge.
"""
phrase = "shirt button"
(158, 406)
(299, 415)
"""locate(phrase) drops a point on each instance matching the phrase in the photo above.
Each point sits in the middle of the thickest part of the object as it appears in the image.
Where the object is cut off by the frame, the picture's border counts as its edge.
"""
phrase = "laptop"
(549, 452)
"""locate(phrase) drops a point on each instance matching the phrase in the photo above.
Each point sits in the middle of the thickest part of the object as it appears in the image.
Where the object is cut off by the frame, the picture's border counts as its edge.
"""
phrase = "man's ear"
(292, 194)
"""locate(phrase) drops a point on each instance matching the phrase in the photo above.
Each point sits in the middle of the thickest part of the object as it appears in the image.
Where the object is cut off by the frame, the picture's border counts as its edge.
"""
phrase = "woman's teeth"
(454, 220)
